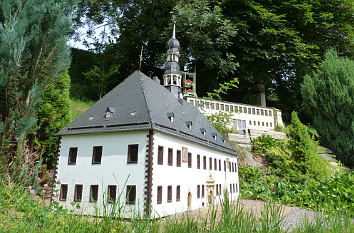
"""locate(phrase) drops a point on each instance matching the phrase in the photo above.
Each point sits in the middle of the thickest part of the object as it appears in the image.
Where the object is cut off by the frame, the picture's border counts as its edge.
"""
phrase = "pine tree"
(328, 96)
(33, 53)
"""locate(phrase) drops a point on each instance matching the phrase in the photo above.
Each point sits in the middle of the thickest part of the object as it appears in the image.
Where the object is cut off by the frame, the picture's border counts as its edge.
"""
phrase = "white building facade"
(243, 116)
(184, 176)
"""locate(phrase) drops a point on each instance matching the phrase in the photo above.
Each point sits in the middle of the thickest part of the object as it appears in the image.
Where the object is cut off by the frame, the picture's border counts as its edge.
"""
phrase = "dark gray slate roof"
(141, 103)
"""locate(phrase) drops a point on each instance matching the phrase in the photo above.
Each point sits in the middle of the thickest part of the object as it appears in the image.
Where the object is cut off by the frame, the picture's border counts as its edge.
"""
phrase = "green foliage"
(223, 88)
(54, 114)
(328, 99)
(298, 158)
(331, 194)
(221, 121)
(20, 212)
(264, 142)
(98, 78)
(33, 52)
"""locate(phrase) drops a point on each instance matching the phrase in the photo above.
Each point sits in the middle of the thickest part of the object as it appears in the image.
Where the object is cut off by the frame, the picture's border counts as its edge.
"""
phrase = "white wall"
(187, 178)
(265, 122)
(113, 169)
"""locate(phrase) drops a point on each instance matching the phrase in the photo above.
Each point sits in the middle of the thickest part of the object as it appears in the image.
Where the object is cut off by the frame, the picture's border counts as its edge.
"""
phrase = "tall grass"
(20, 212)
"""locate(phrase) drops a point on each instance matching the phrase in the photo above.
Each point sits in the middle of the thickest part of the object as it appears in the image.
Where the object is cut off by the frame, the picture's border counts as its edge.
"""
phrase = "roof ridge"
(145, 97)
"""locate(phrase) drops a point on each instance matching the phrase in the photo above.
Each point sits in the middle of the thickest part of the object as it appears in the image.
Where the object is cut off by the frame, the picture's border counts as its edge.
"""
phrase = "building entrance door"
(210, 186)
(189, 200)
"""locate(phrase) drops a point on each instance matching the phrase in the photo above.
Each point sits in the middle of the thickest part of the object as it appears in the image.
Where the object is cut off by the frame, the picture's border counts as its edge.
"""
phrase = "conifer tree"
(54, 114)
(328, 96)
(33, 53)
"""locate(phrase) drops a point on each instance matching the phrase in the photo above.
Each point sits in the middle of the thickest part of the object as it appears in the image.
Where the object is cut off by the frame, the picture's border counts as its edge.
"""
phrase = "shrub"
(264, 142)
(54, 114)
(298, 157)
(328, 99)
(221, 121)
(331, 194)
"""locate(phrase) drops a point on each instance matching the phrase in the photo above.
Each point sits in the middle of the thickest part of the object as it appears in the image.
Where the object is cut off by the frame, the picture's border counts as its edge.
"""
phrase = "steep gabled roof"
(141, 103)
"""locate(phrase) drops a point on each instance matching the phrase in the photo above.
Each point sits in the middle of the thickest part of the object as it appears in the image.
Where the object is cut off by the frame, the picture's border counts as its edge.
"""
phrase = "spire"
(174, 30)
(172, 76)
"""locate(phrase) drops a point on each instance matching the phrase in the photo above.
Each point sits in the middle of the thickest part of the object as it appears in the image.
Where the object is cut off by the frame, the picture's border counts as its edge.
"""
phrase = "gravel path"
(296, 217)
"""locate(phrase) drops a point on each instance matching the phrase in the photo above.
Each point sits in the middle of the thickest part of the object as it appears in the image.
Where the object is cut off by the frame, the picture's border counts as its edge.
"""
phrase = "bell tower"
(172, 78)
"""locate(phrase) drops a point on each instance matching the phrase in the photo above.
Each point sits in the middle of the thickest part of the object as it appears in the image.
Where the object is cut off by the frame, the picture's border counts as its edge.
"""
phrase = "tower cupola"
(172, 76)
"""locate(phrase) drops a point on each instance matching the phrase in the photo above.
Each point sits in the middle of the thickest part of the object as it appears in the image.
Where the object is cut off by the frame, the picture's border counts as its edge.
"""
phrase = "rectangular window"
(204, 162)
(169, 193)
(267, 124)
(232, 167)
(178, 193)
(217, 106)
(191, 101)
(78, 192)
(189, 160)
(212, 106)
(229, 166)
(270, 124)
(254, 122)
(198, 191)
(131, 194)
(170, 157)
(259, 123)
(250, 123)
(133, 153)
(219, 165)
(198, 161)
(270, 112)
(160, 155)
(235, 167)
(217, 189)
(225, 166)
(202, 191)
(262, 112)
(262, 123)
(210, 163)
(72, 155)
(249, 110)
(93, 193)
(231, 108)
(215, 165)
(207, 105)
(97, 155)
(266, 112)
(240, 109)
(112, 191)
(257, 111)
(244, 109)
(221, 107)
(253, 111)
(63, 192)
(159, 194)
(178, 158)
(230, 188)
(227, 107)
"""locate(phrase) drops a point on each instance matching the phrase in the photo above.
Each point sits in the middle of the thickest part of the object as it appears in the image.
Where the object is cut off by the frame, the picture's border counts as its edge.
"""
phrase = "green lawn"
(79, 106)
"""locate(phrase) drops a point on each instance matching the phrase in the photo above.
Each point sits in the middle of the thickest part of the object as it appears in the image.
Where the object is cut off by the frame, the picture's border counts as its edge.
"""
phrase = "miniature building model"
(144, 147)
(244, 116)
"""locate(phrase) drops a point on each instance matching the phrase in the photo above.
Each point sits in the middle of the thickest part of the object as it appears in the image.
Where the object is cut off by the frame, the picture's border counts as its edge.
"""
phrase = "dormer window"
(109, 112)
(189, 125)
(203, 131)
(171, 116)
(213, 135)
